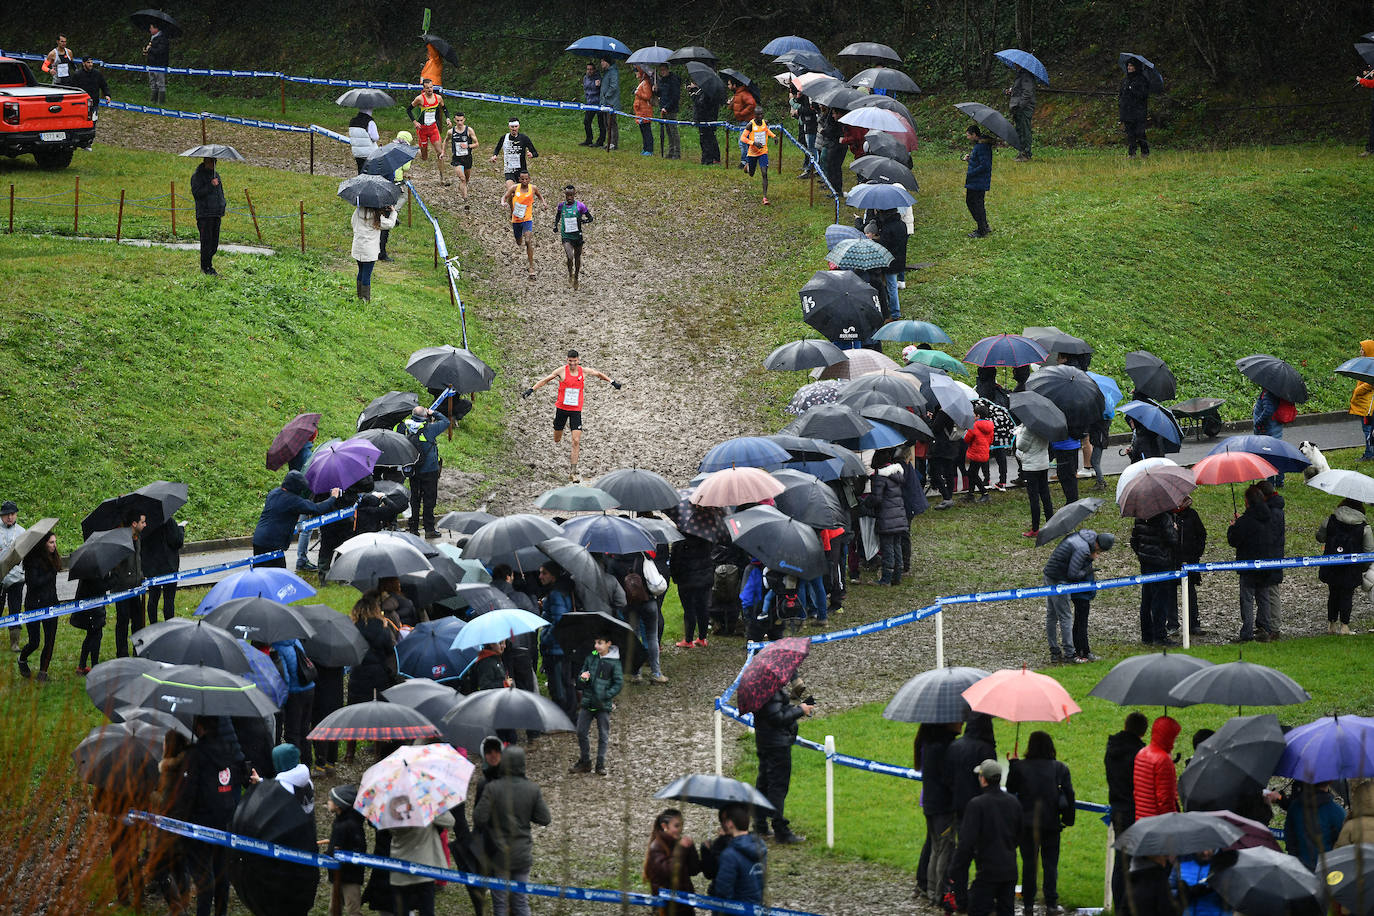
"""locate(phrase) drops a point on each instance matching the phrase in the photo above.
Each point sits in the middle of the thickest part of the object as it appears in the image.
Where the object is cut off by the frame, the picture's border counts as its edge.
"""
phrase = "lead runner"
(572, 382)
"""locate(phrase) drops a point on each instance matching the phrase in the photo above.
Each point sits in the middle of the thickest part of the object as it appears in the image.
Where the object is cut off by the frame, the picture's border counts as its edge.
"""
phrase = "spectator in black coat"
(374, 673)
(215, 777)
(1133, 107)
(892, 235)
(162, 556)
(158, 51)
(1044, 787)
(1149, 887)
(694, 572)
(1155, 542)
(944, 451)
(210, 206)
(976, 744)
(41, 567)
(775, 726)
(281, 509)
(1192, 541)
(668, 88)
(1252, 536)
(1119, 762)
(704, 110)
(347, 834)
(937, 803)
(988, 834)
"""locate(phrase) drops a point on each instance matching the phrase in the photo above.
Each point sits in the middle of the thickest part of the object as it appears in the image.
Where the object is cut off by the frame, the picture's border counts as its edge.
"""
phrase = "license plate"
(53, 136)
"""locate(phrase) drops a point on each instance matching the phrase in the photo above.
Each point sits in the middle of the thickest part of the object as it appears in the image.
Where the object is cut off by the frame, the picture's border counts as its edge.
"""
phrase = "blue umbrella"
(263, 672)
(859, 254)
(836, 233)
(1015, 57)
(821, 469)
(608, 534)
(879, 196)
(880, 436)
(1005, 350)
(1111, 393)
(1333, 747)
(789, 43)
(1154, 418)
(744, 451)
(1285, 458)
(650, 56)
(387, 159)
(494, 626)
(427, 651)
(1152, 74)
(912, 332)
(598, 46)
(258, 582)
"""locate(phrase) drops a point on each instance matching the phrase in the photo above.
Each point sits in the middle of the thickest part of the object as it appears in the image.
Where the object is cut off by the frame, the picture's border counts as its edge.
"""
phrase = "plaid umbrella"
(769, 670)
(413, 785)
(859, 254)
(289, 441)
(934, 696)
(373, 721)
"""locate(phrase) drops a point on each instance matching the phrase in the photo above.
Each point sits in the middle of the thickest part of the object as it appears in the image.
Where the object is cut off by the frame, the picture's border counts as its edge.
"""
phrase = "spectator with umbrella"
(1154, 538)
(1072, 561)
(1044, 787)
(1345, 531)
(608, 134)
(208, 193)
(643, 108)
(293, 447)
(423, 428)
(369, 221)
(1022, 94)
(12, 584)
(978, 180)
(40, 569)
(668, 88)
(363, 137)
(280, 510)
(989, 832)
(1253, 536)
(213, 781)
(1133, 106)
(160, 549)
(1362, 398)
(707, 93)
(591, 98)
(161, 29)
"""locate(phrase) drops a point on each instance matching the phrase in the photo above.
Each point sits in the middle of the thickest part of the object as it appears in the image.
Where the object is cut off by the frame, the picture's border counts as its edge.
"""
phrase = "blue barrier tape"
(319, 521)
(449, 268)
(232, 840)
(1334, 559)
(816, 169)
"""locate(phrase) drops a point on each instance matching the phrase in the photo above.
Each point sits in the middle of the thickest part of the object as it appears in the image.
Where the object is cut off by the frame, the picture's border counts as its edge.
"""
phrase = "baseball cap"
(989, 770)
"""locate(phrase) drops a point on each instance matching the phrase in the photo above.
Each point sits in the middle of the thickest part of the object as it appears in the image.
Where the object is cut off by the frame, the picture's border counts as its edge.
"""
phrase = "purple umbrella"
(341, 465)
(289, 441)
(1333, 747)
(258, 582)
(263, 672)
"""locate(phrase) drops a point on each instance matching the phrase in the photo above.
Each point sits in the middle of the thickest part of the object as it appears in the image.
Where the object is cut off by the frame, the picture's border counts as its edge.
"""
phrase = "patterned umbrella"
(413, 785)
(293, 435)
(934, 696)
(826, 391)
(373, 721)
(705, 522)
(1155, 490)
(859, 363)
(837, 232)
(859, 254)
(1005, 350)
(773, 667)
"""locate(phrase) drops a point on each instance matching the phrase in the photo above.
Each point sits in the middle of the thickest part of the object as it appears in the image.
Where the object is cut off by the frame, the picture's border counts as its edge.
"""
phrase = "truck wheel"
(53, 159)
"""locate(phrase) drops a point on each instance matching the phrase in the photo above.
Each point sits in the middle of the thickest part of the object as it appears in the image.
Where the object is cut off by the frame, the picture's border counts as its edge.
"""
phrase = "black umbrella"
(374, 721)
(120, 758)
(1266, 882)
(386, 411)
(430, 698)
(590, 579)
(870, 49)
(389, 157)
(830, 422)
(106, 678)
(1057, 341)
(1275, 376)
(1177, 834)
(912, 425)
(1067, 519)
(638, 489)
(394, 495)
(163, 721)
(1151, 376)
(477, 598)
(1239, 684)
(836, 95)
(692, 53)
(397, 450)
(1366, 51)
(707, 81)
(1071, 390)
(432, 585)
(1233, 764)
(509, 708)
(840, 305)
(273, 887)
(1039, 415)
(257, 619)
(1152, 74)
(1349, 874)
(197, 690)
(881, 143)
(464, 522)
(900, 390)
(191, 642)
(157, 502)
(730, 73)
(883, 78)
(801, 61)
(712, 791)
(934, 696)
(577, 629)
(1146, 680)
(334, 641)
(509, 534)
(783, 544)
(375, 191)
(368, 99)
(993, 120)
(450, 367)
(165, 23)
(213, 151)
(809, 353)
(809, 501)
(441, 47)
(881, 168)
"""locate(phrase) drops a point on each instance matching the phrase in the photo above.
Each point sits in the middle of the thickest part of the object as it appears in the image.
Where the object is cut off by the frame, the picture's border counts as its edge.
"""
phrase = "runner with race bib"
(755, 137)
(568, 218)
(513, 149)
(520, 198)
(427, 112)
(572, 386)
(462, 140)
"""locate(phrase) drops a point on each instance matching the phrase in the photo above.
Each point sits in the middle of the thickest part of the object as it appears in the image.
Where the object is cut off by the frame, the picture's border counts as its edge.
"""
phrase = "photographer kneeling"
(775, 727)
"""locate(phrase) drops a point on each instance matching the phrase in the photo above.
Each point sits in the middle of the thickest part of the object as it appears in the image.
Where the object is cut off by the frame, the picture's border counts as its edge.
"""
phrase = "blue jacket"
(1265, 405)
(610, 87)
(427, 441)
(740, 874)
(1072, 559)
(282, 507)
(591, 92)
(555, 604)
(301, 458)
(1310, 833)
(979, 177)
(286, 651)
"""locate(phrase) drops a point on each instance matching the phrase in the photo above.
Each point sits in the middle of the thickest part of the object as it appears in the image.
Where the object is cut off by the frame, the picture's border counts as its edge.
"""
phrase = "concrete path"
(179, 246)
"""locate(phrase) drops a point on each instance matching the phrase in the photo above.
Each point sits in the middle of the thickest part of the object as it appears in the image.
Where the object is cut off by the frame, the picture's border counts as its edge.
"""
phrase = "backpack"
(1343, 538)
(306, 673)
(636, 591)
(1285, 413)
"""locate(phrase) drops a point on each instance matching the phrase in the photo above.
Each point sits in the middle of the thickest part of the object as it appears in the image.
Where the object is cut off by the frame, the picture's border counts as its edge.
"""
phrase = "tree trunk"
(1024, 38)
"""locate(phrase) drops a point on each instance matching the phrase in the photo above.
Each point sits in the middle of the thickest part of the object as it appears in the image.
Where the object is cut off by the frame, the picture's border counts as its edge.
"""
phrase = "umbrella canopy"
(881, 168)
(1349, 874)
(651, 56)
(298, 431)
(258, 581)
(841, 305)
(729, 73)
(507, 535)
(258, 619)
(879, 437)
(263, 672)
(837, 232)
(386, 411)
(108, 677)
(1039, 415)
(577, 629)
(465, 522)
(389, 157)
(1151, 376)
(162, 721)
(430, 698)
(1146, 680)
(494, 626)
(1156, 489)
(1139, 467)
(831, 421)
(1177, 834)
(877, 195)
(397, 450)
(712, 791)
(413, 785)
(1240, 683)
(1072, 391)
(705, 522)
(734, 487)
(196, 690)
(788, 43)
(939, 359)
(744, 451)
(450, 367)
(1275, 376)
(783, 544)
(1005, 350)
(157, 502)
(835, 94)
(706, 80)
(575, 498)
(809, 501)
(441, 47)
(366, 99)
(896, 388)
(825, 391)
(585, 571)
(661, 530)
(164, 22)
(608, 534)
(1152, 74)
(884, 78)
(598, 46)
(1266, 882)
(870, 49)
(807, 63)
(190, 642)
(878, 143)
(874, 119)
(953, 401)
(1015, 57)
(1232, 467)
(1347, 484)
(214, 151)
(1057, 341)
(1366, 50)
(1333, 747)
(638, 490)
(993, 120)
(1020, 695)
(1232, 764)
(1361, 368)
(272, 813)
(478, 598)
(23, 545)
(693, 53)
(936, 695)
(334, 641)
(120, 758)
(375, 191)
(909, 424)
(373, 721)
(1111, 393)
(810, 353)
(1067, 519)
(859, 254)
(1156, 419)
(505, 708)
(373, 556)
(859, 362)
(769, 670)
(341, 465)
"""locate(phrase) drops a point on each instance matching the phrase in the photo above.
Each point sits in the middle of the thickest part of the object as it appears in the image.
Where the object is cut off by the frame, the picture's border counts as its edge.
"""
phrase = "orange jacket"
(1362, 398)
(742, 105)
(434, 67)
(644, 105)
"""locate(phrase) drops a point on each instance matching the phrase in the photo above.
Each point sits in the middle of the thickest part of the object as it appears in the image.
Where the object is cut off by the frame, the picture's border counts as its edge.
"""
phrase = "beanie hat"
(1105, 540)
(344, 796)
(285, 757)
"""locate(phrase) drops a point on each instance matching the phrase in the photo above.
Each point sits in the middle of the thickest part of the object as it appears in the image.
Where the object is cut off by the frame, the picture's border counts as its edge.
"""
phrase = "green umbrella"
(937, 359)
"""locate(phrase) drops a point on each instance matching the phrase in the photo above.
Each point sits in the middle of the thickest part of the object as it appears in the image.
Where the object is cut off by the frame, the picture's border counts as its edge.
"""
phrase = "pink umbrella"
(736, 486)
(1021, 695)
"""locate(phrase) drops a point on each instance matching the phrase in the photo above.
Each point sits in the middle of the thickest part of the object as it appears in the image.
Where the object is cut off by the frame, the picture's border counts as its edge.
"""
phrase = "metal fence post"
(830, 791)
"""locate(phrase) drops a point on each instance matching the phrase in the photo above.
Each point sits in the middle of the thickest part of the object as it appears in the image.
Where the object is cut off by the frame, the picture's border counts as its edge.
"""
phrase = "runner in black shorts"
(572, 380)
(572, 419)
(461, 140)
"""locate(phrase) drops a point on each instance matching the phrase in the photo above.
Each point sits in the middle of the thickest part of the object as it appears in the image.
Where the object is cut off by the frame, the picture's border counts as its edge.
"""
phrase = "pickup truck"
(48, 121)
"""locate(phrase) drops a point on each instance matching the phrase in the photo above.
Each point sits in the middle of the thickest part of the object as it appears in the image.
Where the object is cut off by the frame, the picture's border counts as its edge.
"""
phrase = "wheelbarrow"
(1199, 417)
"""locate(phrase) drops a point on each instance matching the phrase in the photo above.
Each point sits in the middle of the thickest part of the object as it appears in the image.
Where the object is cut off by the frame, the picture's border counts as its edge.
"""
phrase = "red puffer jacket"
(1156, 781)
(979, 440)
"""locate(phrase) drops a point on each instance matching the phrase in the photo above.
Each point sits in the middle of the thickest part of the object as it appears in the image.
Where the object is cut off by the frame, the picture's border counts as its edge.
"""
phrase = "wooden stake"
(203, 138)
(119, 223)
(11, 209)
(283, 96)
(253, 213)
(302, 203)
(312, 152)
(76, 206)
(174, 209)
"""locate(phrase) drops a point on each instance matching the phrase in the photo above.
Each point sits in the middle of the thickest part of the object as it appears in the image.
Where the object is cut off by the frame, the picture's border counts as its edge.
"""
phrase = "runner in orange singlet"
(519, 199)
(572, 386)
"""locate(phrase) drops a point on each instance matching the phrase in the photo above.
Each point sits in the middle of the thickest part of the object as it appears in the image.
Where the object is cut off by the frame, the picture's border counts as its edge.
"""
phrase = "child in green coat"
(599, 684)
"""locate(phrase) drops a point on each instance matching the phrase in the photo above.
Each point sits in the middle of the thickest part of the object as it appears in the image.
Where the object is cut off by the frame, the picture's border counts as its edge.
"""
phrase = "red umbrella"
(374, 721)
(1233, 468)
(293, 435)
(769, 670)
(1021, 695)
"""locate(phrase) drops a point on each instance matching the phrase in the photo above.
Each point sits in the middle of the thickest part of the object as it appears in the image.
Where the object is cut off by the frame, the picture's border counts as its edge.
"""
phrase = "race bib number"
(460, 147)
(519, 210)
(572, 397)
(570, 223)
(512, 155)
(429, 116)
(62, 71)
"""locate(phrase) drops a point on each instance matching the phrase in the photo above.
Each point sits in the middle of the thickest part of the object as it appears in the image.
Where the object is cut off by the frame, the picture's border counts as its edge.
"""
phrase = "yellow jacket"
(1362, 398)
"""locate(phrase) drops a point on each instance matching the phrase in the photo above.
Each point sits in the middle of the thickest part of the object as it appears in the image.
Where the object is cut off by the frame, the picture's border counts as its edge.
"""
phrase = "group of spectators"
(657, 94)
